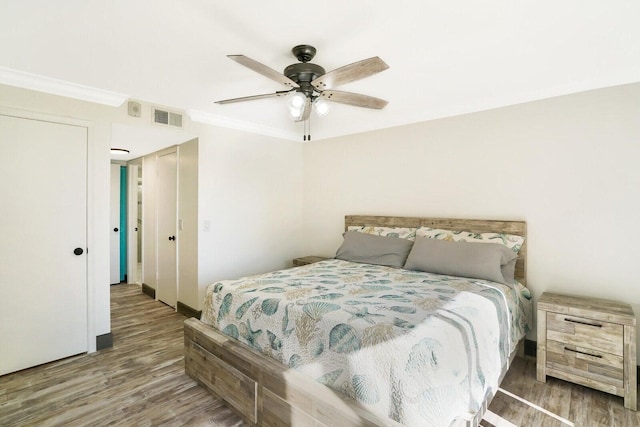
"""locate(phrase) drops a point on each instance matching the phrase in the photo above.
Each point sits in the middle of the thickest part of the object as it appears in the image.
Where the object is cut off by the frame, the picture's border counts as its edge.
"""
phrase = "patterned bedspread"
(421, 348)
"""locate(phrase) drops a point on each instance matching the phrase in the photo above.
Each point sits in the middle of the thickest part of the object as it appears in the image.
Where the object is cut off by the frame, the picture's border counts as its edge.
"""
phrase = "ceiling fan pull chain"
(306, 131)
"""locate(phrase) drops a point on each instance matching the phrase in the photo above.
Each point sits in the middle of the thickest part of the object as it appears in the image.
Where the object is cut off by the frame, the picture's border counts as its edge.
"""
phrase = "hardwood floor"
(574, 405)
(140, 381)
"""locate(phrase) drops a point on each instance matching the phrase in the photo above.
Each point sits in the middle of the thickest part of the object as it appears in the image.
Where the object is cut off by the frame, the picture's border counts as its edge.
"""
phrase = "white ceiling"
(446, 57)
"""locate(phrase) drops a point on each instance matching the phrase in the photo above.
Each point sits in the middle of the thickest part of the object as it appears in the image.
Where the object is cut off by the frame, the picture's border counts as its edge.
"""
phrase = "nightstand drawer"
(586, 363)
(587, 333)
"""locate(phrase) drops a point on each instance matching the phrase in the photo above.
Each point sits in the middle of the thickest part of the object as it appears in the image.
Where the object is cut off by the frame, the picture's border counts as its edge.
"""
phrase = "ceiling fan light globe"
(297, 100)
(296, 112)
(321, 107)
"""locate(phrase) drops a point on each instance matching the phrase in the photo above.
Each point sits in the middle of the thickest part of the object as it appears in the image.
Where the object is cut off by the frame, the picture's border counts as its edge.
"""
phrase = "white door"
(167, 200)
(43, 224)
(114, 230)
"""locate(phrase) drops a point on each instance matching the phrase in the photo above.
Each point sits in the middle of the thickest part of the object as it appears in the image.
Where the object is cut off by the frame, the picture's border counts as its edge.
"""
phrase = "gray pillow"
(490, 261)
(371, 249)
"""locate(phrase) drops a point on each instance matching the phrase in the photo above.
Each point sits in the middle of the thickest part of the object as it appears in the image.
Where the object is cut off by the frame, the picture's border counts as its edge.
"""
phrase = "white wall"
(251, 195)
(568, 166)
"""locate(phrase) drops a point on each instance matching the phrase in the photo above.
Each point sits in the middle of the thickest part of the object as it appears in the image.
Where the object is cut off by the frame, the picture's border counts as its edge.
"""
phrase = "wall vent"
(167, 118)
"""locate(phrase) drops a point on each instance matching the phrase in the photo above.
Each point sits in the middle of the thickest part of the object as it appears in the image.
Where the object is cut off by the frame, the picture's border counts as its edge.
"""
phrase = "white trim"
(177, 229)
(226, 122)
(92, 283)
(25, 80)
(33, 115)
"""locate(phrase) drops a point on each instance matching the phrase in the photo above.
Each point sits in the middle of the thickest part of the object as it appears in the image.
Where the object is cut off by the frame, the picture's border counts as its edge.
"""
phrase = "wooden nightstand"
(588, 341)
(308, 260)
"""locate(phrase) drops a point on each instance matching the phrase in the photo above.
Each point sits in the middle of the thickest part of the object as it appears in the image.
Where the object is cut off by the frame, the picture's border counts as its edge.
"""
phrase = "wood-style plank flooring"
(140, 381)
(576, 405)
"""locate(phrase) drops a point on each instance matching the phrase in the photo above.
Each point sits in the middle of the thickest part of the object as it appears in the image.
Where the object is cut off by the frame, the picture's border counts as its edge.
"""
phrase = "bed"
(344, 343)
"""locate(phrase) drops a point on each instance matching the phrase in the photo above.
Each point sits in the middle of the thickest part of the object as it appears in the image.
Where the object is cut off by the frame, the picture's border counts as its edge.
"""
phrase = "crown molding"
(226, 122)
(39, 83)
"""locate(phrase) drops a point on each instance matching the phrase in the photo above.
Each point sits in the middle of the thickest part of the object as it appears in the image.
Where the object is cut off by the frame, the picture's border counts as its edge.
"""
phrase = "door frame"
(133, 167)
(91, 207)
(115, 247)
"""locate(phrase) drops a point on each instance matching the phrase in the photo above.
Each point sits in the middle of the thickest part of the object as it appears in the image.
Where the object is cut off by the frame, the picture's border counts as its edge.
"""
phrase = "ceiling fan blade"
(349, 73)
(354, 99)
(251, 98)
(263, 69)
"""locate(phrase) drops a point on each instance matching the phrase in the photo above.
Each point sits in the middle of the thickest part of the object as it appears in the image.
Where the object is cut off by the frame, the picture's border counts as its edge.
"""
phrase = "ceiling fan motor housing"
(303, 74)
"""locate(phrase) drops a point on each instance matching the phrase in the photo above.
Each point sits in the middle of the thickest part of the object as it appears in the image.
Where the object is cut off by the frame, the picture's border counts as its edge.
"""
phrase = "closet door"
(167, 200)
(43, 261)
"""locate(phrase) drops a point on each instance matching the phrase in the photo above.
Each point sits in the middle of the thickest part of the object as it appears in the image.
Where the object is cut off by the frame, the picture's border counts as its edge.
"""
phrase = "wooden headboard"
(518, 228)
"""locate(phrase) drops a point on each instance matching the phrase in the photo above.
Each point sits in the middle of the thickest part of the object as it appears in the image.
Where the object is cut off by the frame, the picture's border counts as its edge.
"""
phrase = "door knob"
(78, 251)
(115, 229)
(172, 237)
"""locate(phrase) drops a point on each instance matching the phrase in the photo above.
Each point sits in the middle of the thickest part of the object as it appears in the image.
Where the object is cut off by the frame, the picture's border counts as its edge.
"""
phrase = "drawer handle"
(582, 352)
(583, 323)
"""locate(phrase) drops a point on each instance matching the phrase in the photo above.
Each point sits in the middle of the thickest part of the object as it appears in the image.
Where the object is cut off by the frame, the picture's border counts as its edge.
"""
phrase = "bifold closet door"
(167, 200)
(43, 254)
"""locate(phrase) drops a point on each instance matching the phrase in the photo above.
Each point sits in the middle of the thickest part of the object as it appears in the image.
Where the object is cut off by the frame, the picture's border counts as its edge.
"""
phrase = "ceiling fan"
(309, 85)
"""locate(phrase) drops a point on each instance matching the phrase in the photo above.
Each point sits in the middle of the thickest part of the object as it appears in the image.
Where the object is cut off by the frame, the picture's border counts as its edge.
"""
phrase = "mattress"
(420, 348)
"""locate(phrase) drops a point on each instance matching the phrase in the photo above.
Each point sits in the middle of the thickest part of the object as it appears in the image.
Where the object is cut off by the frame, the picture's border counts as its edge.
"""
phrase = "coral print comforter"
(423, 349)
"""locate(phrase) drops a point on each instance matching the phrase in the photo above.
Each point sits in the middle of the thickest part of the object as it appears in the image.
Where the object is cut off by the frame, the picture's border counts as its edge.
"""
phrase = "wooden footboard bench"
(264, 392)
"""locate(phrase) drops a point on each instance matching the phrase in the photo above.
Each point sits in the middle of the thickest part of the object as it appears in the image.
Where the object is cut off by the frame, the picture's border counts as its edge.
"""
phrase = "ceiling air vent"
(167, 118)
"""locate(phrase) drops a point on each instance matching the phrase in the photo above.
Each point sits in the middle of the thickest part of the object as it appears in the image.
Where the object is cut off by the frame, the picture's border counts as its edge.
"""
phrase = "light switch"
(207, 225)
